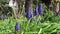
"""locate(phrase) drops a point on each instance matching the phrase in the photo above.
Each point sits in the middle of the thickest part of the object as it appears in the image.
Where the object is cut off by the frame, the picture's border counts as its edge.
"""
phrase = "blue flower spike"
(29, 14)
(3, 16)
(36, 11)
(40, 9)
(17, 28)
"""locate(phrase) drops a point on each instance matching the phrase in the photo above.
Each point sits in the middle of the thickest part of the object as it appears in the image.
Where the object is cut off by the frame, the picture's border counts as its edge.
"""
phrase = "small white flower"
(11, 3)
(15, 3)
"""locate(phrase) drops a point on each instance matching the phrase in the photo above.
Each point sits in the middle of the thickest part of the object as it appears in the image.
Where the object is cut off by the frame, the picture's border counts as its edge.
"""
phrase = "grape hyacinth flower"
(17, 28)
(40, 9)
(29, 14)
(36, 11)
(3, 16)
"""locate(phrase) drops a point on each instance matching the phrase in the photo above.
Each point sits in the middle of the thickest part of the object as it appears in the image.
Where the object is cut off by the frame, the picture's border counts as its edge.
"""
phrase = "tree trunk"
(57, 7)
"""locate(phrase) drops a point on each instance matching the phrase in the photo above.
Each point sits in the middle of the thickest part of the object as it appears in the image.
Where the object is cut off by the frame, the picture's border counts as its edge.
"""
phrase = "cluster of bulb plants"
(34, 23)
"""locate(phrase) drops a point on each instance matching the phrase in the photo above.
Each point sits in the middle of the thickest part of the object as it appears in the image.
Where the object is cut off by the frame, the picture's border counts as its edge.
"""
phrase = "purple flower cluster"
(36, 11)
(17, 26)
(29, 14)
(3, 16)
(40, 8)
